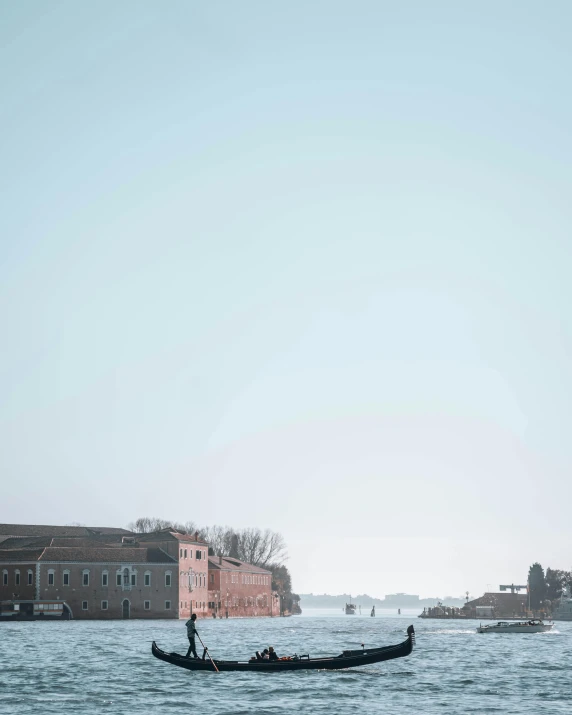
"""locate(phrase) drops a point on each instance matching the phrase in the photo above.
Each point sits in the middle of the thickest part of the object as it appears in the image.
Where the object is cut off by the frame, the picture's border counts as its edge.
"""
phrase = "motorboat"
(347, 659)
(350, 608)
(29, 610)
(533, 626)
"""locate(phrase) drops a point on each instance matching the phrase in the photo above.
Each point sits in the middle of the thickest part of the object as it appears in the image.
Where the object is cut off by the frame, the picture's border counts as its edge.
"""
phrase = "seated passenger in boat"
(272, 655)
(263, 656)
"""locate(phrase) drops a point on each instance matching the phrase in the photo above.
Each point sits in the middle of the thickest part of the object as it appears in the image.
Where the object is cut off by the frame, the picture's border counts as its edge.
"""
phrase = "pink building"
(191, 554)
(172, 564)
(238, 589)
(113, 573)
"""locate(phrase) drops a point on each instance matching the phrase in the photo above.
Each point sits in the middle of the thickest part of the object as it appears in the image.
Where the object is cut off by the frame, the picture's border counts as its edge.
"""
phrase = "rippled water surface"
(96, 667)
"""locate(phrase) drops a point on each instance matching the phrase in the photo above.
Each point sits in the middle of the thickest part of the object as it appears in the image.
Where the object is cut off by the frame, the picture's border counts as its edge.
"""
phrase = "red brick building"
(165, 573)
(95, 581)
(191, 554)
(238, 589)
(113, 573)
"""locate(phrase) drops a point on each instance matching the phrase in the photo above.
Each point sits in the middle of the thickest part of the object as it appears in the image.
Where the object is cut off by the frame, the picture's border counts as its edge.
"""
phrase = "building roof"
(103, 554)
(229, 564)
(20, 555)
(97, 554)
(96, 543)
(504, 599)
(170, 534)
(22, 542)
(40, 530)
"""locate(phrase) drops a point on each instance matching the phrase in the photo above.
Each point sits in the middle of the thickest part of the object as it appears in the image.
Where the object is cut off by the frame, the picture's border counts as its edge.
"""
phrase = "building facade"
(107, 573)
(240, 590)
(95, 582)
(191, 554)
(501, 605)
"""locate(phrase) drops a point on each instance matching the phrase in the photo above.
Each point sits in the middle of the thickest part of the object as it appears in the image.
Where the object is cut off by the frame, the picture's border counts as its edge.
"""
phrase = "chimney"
(220, 559)
(196, 535)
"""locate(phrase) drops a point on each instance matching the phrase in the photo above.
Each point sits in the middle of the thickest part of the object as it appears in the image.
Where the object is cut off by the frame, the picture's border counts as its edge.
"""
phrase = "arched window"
(17, 577)
(51, 577)
(147, 578)
(105, 578)
(4, 577)
(168, 578)
(30, 577)
(85, 577)
(66, 578)
(126, 577)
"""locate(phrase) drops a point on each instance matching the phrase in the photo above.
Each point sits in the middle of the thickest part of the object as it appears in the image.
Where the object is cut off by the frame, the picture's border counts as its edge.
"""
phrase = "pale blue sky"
(299, 265)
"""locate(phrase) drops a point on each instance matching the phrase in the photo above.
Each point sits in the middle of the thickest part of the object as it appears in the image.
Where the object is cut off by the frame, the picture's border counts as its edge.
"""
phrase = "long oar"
(209, 655)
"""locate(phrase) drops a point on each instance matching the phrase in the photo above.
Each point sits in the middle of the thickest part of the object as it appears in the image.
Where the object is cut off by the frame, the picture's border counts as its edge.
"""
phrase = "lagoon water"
(94, 667)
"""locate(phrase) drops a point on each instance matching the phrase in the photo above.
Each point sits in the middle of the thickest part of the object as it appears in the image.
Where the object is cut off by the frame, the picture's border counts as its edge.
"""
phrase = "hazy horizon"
(301, 266)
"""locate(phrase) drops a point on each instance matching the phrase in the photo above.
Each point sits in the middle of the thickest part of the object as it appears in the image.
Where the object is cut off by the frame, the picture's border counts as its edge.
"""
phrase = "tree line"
(546, 586)
(260, 547)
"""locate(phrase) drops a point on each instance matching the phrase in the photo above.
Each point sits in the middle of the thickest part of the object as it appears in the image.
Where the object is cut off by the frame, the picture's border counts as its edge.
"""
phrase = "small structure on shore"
(489, 605)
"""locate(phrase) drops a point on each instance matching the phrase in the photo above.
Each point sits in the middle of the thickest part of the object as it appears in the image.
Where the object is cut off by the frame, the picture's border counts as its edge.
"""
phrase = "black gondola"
(348, 659)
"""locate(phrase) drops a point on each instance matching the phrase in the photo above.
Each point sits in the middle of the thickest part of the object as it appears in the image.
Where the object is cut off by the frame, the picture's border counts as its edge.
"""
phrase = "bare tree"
(189, 527)
(253, 545)
(148, 524)
(218, 538)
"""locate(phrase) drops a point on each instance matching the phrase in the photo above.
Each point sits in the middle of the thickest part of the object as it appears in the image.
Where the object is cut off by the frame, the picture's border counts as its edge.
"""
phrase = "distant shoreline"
(398, 600)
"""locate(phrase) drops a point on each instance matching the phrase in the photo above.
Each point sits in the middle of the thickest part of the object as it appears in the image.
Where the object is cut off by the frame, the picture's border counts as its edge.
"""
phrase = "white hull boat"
(516, 627)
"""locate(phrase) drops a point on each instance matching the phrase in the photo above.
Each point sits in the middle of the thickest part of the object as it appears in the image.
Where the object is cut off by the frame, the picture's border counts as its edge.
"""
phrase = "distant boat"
(372, 614)
(534, 626)
(350, 608)
(28, 610)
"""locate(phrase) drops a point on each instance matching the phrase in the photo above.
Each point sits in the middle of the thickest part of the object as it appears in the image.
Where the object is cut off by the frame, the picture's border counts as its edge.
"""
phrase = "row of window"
(196, 579)
(249, 579)
(127, 578)
(17, 577)
(261, 602)
(105, 605)
(124, 578)
(200, 554)
(255, 579)
(198, 604)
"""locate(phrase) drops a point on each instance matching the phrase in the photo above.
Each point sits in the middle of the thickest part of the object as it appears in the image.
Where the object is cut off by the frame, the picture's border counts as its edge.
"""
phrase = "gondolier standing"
(191, 633)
